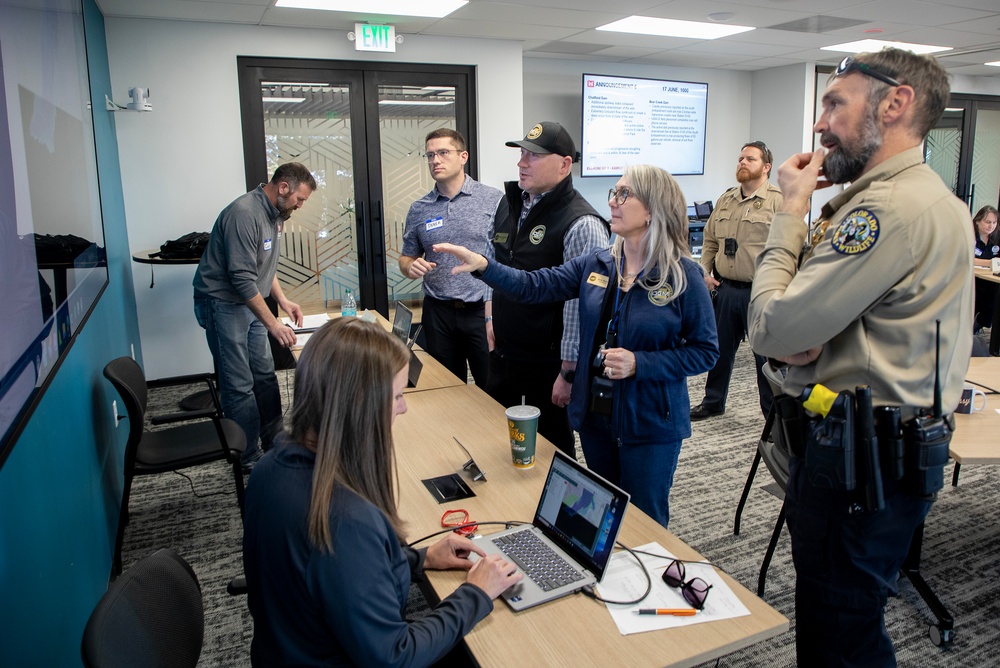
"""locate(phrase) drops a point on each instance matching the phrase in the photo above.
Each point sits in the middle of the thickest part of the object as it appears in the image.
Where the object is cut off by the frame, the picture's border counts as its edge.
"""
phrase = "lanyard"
(619, 305)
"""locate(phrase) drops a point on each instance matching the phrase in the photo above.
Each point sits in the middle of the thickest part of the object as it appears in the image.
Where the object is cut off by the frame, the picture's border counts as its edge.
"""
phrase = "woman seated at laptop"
(646, 324)
(327, 572)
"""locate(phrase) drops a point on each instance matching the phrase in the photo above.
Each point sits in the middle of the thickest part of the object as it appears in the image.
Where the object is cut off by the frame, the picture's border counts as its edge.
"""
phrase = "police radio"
(927, 438)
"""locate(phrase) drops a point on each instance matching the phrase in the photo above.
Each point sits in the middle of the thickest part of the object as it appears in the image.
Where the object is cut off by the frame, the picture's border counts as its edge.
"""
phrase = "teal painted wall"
(60, 488)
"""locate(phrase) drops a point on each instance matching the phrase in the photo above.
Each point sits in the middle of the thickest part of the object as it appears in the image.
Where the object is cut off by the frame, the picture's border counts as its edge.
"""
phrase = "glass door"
(964, 149)
(359, 128)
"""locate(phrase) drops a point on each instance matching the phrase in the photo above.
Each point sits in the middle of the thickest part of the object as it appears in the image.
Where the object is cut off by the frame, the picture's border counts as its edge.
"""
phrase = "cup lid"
(523, 412)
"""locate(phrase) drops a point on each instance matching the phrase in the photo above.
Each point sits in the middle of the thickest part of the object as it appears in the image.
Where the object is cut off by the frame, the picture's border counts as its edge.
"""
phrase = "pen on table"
(676, 612)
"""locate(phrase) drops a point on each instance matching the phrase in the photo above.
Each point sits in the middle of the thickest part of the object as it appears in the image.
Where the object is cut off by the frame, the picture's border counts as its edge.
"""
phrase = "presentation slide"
(628, 121)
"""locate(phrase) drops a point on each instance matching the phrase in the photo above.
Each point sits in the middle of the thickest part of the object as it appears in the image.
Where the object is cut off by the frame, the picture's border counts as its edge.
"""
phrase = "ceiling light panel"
(648, 25)
(428, 8)
(868, 45)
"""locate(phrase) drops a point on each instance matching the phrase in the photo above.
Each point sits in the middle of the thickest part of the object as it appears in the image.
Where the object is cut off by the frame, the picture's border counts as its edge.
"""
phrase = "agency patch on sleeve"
(857, 232)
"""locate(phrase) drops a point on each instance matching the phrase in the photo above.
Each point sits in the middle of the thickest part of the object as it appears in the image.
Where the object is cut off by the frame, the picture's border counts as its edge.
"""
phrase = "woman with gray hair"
(646, 324)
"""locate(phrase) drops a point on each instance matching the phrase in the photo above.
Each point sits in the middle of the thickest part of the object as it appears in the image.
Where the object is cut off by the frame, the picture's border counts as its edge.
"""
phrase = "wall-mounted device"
(139, 99)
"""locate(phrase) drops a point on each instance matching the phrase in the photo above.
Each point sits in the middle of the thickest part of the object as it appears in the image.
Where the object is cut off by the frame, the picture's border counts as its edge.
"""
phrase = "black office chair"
(176, 447)
(152, 616)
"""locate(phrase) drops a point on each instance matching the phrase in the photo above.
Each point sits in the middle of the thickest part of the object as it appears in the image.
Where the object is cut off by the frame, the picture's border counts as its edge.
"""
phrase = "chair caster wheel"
(941, 637)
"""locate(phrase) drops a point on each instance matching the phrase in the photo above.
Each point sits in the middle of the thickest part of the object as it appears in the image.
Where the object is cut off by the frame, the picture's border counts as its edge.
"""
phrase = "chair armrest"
(181, 380)
(181, 417)
(237, 587)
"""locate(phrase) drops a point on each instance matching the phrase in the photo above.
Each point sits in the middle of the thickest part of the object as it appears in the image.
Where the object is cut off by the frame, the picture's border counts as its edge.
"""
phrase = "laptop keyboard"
(538, 561)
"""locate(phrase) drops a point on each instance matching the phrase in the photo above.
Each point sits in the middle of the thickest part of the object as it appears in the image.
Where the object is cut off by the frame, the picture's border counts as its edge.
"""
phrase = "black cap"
(548, 137)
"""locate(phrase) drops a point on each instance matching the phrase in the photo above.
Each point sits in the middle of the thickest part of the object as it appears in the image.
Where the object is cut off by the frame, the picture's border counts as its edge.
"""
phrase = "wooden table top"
(977, 435)
(986, 273)
(433, 376)
(574, 630)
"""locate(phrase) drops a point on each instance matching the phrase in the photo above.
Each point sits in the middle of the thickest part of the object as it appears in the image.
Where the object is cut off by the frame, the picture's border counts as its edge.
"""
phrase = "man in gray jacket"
(237, 271)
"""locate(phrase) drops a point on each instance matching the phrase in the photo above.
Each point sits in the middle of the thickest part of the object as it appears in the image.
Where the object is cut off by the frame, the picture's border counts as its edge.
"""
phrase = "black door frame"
(970, 104)
(365, 77)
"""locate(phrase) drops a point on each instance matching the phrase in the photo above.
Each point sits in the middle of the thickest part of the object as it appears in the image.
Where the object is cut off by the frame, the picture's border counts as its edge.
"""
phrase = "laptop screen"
(582, 512)
(704, 209)
(401, 322)
(692, 211)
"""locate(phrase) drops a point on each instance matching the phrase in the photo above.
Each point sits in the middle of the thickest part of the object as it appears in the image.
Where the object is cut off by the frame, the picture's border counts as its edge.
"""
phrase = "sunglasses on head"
(849, 64)
(694, 591)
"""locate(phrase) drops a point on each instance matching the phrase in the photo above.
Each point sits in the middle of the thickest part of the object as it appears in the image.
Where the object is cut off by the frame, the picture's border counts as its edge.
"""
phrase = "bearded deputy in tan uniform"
(734, 237)
(889, 257)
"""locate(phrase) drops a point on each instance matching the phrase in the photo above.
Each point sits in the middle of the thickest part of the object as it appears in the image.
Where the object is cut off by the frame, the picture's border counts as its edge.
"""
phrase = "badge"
(500, 237)
(535, 132)
(433, 223)
(597, 279)
(537, 234)
(996, 250)
(662, 296)
(857, 233)
(979, 251)
(267, 244)
(757, 204)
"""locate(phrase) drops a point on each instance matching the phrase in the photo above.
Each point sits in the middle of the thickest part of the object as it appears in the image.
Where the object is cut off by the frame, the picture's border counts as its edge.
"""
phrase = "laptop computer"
(577, 522)
(402, 320)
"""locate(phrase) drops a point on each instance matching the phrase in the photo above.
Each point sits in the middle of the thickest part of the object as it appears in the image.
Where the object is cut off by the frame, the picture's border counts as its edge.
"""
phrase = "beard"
(848, 162)
(283, 209)
(745, 174)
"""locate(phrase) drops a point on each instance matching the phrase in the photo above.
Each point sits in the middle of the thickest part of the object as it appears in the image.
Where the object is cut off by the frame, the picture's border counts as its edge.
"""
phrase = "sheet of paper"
(309, 321)
(300, 340)
(624, 581)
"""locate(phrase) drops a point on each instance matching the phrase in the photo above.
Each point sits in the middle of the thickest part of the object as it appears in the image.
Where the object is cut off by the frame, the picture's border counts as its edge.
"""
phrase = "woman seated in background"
(646, 324)
(327, 573)
(984, 225)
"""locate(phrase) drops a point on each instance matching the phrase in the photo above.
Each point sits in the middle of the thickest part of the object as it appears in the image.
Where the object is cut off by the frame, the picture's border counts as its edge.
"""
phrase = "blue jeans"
(646, 472)
(248, 387)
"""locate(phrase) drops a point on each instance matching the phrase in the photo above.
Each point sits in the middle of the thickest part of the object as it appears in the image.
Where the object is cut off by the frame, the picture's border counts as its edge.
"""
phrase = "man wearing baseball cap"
(550, 223)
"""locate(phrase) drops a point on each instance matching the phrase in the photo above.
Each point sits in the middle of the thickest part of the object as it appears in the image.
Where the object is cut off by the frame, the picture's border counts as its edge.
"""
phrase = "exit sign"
(369, 37)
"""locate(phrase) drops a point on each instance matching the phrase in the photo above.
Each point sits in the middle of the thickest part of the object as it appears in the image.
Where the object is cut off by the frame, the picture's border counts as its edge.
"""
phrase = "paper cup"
(522, 426)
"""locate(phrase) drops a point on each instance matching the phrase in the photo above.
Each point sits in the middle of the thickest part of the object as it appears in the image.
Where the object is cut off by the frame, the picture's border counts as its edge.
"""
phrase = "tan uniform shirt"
(893, 259)
(746, 219)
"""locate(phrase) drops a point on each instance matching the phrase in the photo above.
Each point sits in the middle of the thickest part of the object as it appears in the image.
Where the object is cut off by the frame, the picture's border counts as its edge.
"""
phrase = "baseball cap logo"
(535, 132)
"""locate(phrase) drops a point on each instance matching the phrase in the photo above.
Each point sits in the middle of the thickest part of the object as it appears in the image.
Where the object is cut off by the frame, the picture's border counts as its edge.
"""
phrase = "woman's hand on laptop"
(451, 552)
(494, 575)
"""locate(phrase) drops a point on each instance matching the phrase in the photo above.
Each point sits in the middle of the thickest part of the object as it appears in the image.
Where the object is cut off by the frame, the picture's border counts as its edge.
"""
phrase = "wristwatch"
(568, 375)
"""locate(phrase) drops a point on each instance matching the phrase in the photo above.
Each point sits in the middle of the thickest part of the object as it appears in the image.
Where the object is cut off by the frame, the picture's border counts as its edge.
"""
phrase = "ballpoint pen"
(676, 612)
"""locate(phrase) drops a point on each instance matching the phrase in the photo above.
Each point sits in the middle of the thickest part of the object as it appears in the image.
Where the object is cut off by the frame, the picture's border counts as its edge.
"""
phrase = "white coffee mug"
(967, 404)
(995, 266)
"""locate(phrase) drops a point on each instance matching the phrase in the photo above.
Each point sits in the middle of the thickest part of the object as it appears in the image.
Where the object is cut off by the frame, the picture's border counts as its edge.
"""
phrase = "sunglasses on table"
(471, 466)
(694, 591)
(848, 65)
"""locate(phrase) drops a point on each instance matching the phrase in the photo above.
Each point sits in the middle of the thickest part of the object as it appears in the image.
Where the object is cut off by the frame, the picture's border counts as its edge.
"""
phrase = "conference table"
(977, 435)
(574, 630)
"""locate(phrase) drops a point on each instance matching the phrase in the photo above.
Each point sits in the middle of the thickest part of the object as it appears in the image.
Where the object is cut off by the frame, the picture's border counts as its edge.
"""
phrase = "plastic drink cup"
(522, 425)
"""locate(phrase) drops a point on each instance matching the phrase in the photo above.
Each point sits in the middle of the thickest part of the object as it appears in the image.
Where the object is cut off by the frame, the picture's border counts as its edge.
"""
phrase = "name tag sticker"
(267, 244)
(598, 280)
(434, 223)
(500, 237)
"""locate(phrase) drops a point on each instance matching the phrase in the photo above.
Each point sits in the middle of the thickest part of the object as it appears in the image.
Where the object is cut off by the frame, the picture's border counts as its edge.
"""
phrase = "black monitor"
(692, 212)
(703, 210)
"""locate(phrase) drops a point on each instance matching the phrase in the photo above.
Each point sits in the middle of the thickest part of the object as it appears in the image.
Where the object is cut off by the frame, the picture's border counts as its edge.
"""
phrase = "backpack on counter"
(190, 246)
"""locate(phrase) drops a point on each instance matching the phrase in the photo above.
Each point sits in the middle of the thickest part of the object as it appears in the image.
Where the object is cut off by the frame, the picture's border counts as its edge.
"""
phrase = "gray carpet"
(960, 550)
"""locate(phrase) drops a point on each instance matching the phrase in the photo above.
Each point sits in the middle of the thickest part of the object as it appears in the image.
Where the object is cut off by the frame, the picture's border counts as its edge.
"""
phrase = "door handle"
(378, 229)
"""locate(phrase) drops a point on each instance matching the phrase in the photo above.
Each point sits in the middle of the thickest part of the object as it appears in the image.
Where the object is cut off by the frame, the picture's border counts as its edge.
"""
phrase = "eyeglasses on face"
(848, 65)
(694, 591)
(620, 195)
(443, 154)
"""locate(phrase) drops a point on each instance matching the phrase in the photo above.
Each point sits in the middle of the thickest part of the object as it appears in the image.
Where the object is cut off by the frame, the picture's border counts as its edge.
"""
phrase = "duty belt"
(737, 284)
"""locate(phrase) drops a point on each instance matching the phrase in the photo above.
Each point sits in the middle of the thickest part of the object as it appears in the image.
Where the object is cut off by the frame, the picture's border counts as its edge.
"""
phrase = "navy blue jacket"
(311, 608)
(670, 342)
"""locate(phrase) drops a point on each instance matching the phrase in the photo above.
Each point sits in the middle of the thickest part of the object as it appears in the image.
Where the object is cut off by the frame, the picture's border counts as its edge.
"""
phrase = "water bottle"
(348, 306)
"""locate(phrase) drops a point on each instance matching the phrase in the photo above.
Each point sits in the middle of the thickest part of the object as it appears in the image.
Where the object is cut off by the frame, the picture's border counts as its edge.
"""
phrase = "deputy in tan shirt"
(734, 237)
(889, 257)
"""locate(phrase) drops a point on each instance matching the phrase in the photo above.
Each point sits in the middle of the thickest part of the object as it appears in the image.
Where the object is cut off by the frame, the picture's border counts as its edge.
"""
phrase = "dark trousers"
(731, 314)
(455, 333)
(986, 295)
(846, 566)
(510, 380)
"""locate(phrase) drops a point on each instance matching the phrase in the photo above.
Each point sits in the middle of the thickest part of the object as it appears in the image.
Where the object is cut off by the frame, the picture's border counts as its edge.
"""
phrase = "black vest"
(534, 331)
